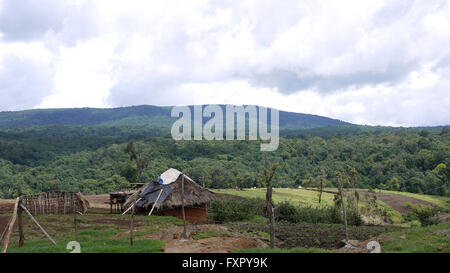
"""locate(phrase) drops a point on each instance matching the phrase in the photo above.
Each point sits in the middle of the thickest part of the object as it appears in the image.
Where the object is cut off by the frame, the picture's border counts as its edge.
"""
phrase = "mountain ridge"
(150, 115)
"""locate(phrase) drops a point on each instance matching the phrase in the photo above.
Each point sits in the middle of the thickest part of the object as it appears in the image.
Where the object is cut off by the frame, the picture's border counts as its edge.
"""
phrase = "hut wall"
(193, 214)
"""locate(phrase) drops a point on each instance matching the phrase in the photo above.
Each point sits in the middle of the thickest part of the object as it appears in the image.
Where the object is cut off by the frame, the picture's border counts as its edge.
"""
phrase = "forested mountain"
(92, 159)
(147, 115)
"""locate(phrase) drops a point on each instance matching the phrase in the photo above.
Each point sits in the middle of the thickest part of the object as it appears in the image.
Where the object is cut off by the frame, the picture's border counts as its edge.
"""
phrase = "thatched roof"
(194, 194)
(83, 202)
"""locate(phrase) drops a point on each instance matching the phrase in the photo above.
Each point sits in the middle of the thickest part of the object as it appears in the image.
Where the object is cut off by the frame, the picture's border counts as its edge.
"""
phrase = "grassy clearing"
(419, 240)
(91, 241)
(294, 196)
(97, 233)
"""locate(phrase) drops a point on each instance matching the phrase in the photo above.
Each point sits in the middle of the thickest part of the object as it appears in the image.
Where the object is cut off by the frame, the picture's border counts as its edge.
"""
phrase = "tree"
(394, 184)
(140, 160)
(268, 173)
(321, 181)
(339, 177)
(353, 179)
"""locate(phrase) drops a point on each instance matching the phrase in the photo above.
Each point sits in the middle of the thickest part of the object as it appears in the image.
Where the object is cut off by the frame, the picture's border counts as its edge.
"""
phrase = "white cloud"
(371, 62)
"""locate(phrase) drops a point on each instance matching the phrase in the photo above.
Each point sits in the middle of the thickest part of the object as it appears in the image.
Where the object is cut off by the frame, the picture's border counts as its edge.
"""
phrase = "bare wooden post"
(153, 207)
(184, 235)
(343, 207)
(271, 217)
(75, 225)
(10, 227)
(131, 226)
(19, 217)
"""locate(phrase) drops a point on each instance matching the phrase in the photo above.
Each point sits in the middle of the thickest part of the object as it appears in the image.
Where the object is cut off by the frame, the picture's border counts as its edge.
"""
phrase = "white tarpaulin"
(170, 176)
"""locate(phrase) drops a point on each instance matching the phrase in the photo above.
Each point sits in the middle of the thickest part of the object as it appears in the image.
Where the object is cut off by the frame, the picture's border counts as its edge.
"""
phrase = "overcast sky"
(366, 62)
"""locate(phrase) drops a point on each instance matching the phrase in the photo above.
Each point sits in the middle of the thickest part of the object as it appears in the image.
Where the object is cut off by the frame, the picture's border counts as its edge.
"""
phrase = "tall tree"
(353, 179)
(140, 159)
(339, 180)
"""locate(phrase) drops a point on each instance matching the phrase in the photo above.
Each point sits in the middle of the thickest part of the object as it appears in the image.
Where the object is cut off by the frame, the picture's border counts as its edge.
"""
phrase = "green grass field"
(431, 239)
(101, 232)
(98, 232)
(294, 196)
(309, 197)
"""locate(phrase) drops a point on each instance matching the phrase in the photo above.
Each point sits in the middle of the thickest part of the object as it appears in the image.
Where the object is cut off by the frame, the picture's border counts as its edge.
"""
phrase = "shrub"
(308, 214)
(354, 217)
(426, 215)
(230, 210)
(286, 212)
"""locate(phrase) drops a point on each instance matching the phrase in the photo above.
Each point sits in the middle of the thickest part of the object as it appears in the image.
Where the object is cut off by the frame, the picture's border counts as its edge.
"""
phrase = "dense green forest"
(93, 159)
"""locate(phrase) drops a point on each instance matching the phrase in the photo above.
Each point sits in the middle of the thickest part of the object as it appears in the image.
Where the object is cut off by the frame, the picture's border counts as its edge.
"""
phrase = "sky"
(365, 62)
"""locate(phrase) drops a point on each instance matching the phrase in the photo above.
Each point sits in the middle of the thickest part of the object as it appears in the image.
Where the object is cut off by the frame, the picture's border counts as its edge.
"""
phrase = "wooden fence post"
(131, 226)
(184, 235)
(75, 224)
(10, 227)
(19, 217)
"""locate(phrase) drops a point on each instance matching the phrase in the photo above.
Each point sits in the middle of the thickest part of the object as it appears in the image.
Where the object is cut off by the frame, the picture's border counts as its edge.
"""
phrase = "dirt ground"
(224, 242)
(6, 206)
(444, 217)
(397, 201)
(210, 245)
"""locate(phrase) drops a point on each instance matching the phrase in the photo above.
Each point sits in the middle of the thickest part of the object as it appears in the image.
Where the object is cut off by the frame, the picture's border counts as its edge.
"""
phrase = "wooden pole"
(75, 226)
(343, 207)
(131, 226)
(154, 204)
(184, 235)
(19, 217)
(131, 206)
(36, 222)
(10, 227)
(271, 216)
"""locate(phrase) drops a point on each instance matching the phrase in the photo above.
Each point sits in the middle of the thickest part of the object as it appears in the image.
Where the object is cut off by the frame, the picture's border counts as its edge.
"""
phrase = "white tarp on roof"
(171, 175)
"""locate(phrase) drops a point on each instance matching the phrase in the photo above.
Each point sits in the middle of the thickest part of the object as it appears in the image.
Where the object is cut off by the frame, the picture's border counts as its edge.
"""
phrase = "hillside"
(147, 115)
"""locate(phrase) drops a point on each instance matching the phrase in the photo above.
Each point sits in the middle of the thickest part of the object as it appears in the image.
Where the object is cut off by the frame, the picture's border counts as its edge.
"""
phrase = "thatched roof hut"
(166, 191)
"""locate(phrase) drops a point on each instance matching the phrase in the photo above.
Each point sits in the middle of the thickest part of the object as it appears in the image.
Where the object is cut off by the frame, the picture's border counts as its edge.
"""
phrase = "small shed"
(166, 192)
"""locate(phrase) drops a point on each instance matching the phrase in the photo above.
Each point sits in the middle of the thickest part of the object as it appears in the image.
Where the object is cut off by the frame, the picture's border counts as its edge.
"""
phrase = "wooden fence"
(55, 202)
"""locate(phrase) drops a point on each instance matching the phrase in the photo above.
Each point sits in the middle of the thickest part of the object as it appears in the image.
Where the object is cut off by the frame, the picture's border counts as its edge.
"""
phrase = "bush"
(426, 215)
(286, 212)
(230, 210)
(308, 214)
(354, 218)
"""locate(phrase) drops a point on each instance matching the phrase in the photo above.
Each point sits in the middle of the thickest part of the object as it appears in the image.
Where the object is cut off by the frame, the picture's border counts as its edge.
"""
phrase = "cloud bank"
(367, 62)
